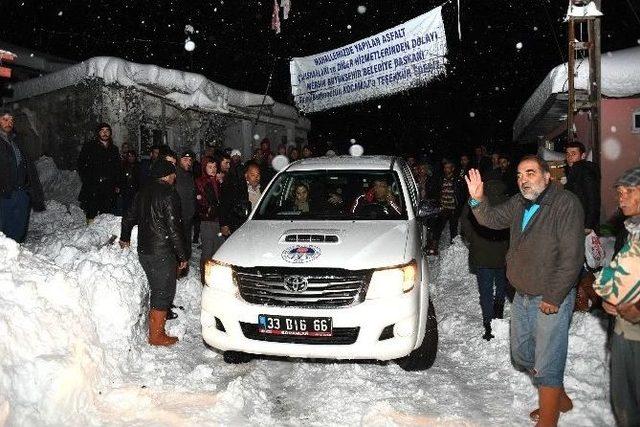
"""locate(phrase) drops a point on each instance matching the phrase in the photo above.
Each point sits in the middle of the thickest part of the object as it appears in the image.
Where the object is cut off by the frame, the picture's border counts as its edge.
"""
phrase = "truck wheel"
(423, 357)
(236, 357)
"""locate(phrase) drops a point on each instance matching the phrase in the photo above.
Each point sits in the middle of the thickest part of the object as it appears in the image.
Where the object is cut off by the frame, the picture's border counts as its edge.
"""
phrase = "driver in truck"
(379, 194)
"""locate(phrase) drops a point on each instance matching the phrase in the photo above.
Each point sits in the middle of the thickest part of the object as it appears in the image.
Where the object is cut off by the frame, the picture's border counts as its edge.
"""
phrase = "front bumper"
(370, 318)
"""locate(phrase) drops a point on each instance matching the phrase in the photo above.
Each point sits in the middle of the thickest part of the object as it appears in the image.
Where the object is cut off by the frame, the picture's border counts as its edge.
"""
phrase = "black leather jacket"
(156, 210)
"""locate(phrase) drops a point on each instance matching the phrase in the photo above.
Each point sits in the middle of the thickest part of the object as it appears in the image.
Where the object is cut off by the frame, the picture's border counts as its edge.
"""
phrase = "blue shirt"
(528, 214)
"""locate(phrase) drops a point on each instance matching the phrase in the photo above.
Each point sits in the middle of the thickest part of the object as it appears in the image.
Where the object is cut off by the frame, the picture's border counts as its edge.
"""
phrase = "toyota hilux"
(329, 264)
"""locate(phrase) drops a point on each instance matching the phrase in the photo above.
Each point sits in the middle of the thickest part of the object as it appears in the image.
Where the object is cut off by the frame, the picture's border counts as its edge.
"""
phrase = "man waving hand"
(545, 256)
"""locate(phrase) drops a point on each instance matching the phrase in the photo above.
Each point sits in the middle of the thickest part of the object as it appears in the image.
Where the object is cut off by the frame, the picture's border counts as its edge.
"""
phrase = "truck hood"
(360, 244)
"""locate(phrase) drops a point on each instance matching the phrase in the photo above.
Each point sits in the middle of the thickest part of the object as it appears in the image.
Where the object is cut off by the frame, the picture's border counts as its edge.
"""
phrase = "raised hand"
(475, 184)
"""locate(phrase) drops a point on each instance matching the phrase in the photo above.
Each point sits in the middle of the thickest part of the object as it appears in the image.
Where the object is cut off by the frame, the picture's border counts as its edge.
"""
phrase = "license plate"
(290, 325)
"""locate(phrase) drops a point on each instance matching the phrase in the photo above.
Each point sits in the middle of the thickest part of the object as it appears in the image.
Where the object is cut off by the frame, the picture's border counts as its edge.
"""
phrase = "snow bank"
(51, 358)
(74, 352)
(620, 78)
(60, 185)
(73, 315)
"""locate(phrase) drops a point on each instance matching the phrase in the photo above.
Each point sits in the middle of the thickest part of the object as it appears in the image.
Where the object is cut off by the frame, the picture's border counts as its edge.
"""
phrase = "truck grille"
(324, 288)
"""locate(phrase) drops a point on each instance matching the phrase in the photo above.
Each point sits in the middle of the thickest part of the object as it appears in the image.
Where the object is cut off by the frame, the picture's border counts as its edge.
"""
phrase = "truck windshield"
(334, 195)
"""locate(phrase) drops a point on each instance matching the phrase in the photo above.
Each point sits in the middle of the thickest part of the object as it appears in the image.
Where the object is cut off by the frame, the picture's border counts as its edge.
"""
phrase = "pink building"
(543, 117)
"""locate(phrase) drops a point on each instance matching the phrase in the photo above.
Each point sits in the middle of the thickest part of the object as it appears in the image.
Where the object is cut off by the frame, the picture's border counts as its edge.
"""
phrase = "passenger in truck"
(299, 201)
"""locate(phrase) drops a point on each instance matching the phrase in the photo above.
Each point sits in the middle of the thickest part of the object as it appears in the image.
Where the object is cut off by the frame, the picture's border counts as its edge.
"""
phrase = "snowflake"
(472, 114)
(362, 9)
(519, 45)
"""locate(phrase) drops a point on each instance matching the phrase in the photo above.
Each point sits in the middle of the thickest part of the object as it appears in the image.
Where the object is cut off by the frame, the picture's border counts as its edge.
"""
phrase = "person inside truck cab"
(378, 195)
(299, 201)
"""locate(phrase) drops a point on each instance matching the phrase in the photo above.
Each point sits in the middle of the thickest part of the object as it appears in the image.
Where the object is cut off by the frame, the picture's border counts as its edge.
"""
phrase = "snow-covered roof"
(187, 90)
(620, 78)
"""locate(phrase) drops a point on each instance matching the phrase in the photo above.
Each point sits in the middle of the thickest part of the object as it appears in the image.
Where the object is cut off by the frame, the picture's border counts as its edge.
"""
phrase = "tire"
(236, 357)
(424, 356)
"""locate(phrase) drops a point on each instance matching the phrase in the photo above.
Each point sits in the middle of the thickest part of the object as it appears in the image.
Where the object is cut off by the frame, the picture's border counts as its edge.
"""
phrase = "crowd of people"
(525, 232)
(526, 237)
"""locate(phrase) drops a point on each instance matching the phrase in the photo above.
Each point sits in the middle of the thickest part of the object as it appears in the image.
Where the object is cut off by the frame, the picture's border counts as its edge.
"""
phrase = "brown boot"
(552, 401)
(157, 336)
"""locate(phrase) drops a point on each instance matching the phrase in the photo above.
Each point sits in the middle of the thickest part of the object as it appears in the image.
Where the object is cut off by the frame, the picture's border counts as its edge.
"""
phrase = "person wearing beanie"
(618, 286)
(186, 187)
(20, 188)
(161, 244)
(208, 199)
(99, 170)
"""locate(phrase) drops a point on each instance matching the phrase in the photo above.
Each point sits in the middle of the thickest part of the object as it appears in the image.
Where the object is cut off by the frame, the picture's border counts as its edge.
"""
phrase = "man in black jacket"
(20, 187)
(161, 248)
(238, 198)
(99, 169)
(186, 187)
(583, 180)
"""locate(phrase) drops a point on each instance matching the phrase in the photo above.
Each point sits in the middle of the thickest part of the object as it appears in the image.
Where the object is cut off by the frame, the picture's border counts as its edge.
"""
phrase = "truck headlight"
(219, 276)
(391, 282)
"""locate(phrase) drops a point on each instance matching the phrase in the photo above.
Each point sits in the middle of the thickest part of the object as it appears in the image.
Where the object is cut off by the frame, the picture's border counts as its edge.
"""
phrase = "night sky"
(489, 77)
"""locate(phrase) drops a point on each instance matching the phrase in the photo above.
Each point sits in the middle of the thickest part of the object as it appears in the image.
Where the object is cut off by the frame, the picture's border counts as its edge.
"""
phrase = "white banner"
(406, 56)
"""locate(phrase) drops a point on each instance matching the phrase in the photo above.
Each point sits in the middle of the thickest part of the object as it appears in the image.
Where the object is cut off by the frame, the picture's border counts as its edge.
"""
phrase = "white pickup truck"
(338, 272)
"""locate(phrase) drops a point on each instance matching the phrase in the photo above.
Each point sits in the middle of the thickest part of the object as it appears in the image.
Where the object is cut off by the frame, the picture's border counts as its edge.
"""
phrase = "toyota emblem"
(296, 283)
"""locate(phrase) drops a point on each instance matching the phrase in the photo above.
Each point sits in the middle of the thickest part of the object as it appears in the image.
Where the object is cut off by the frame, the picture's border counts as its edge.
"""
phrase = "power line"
(553, 32)
(634, 11)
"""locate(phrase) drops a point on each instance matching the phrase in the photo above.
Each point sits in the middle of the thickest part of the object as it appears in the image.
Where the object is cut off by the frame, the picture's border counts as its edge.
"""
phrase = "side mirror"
(428, 209)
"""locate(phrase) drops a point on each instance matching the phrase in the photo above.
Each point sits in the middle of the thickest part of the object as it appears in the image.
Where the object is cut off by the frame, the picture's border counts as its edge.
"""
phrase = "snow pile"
(112, 282)
(51, 361)
(61, 185)
(74, 352)
(620, 78)
(73, 316)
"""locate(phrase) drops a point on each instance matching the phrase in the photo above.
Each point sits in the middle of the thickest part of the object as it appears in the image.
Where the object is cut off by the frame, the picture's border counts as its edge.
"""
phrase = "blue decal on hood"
(300, 254)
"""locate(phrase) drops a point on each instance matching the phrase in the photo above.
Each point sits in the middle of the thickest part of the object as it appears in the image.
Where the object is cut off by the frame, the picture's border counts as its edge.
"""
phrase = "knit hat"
(630, 178)
(188, 153)
(162, 168)
(103, 125)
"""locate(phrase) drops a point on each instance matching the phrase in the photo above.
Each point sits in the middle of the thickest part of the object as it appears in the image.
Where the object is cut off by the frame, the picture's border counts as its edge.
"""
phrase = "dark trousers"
(452, 216)
(161, 274)
(101, 199)
(14, 214)
(196, 230)
(488, 280)
(625, 380)
(187, 226)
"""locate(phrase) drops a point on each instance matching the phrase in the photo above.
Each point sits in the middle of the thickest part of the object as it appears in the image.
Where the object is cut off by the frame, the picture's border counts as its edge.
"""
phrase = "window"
(635, 121)
(334, 195)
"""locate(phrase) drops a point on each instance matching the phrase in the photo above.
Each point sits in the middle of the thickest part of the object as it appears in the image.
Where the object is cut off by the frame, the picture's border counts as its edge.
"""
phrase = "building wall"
(57, 124)
(620, 146)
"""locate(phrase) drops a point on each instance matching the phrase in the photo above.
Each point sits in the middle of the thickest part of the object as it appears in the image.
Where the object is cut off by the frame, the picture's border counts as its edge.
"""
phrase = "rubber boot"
(498, 310)
(157, 335)
(565, 405)
(487, 331)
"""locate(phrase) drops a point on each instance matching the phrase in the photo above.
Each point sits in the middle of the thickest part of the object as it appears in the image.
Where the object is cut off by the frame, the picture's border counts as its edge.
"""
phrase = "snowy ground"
(74, 352)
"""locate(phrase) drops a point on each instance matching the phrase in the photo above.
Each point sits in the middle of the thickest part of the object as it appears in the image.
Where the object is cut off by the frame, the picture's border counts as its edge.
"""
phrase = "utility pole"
(585, 13)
